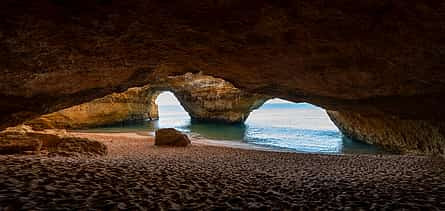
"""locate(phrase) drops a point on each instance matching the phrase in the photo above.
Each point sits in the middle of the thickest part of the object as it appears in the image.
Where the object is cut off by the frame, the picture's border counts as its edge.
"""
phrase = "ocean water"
(279, 126)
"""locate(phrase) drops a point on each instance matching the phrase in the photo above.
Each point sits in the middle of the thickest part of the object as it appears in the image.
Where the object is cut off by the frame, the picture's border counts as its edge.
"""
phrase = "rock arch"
(373, 59)
(205, 98)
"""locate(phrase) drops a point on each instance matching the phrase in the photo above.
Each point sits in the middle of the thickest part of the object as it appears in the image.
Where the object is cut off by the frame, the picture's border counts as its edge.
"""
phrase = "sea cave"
(231, 105)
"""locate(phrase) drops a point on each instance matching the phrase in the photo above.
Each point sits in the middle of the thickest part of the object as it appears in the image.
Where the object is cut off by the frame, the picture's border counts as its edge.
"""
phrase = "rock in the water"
(171, 137)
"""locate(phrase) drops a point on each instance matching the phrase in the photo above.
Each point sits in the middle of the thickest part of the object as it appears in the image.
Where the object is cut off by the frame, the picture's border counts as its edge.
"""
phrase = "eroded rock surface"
(16, 141)
(24, 140)
(212, 99)
(364, 56)
(393, 133)
(136, 104)
(171, 137)
(376, 58)
(203, 97)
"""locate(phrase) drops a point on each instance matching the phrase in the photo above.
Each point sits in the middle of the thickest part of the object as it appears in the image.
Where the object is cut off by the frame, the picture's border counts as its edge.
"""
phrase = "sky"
(277, 100)
(168, 98)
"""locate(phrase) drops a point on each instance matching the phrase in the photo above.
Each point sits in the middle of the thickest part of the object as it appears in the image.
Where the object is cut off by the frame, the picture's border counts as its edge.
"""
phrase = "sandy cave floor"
(136, 175)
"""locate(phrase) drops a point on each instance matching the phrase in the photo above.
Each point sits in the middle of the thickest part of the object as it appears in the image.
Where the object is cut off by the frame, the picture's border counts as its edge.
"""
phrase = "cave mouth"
(300, 127)
(277, 125)
(170, 111)
(273, 124)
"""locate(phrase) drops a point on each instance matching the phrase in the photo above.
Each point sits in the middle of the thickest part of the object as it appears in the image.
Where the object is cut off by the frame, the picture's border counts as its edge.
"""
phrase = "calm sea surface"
(283, 126)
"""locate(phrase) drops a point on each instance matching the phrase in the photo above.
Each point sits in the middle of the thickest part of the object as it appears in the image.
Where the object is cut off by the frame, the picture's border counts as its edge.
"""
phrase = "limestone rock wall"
(203, 97)
(136, 104)
(207, 98)
(379, 58)
(393, 133)
(212, 99)
(364, 56)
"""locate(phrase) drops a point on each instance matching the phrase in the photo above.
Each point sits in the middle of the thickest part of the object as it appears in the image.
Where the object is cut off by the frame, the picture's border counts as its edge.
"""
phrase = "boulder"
(11, 143)
(171, 137)
(23, 140)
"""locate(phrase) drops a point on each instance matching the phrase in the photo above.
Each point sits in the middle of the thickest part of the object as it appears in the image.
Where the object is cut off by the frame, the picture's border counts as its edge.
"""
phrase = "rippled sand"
(138, 175)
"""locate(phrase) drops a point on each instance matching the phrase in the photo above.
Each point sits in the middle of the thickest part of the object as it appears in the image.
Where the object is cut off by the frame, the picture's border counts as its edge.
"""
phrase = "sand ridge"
(136, 175)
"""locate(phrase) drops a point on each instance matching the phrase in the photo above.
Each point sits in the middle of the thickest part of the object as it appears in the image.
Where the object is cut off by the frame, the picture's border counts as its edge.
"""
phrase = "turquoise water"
(281, 126)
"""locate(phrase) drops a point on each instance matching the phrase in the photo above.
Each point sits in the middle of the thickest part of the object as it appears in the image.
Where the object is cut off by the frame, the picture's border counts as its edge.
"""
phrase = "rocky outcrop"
(171, 137)
(136, 104)
(15, 141)
(24, 140)
(203, 97)
(207, 98)
(393, 133)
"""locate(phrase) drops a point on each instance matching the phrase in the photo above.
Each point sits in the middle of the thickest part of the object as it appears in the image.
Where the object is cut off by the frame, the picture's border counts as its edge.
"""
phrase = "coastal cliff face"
(393, 133)
(204, 97)
(212, 99)
(363, 56)
(136, 104)
(375, 58)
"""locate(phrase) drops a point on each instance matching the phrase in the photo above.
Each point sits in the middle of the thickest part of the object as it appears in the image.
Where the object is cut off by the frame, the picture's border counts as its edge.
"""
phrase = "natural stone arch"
(205, 98)
(371, 58)
(332, 53)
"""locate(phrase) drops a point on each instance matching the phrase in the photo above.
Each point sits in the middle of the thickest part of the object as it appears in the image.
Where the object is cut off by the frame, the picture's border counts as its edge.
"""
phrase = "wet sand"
(136, 175)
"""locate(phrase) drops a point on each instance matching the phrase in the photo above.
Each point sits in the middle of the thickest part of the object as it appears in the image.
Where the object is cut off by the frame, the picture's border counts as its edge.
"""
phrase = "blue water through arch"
(277, 125)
